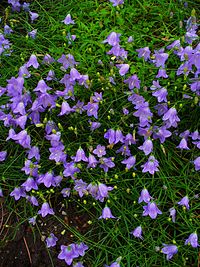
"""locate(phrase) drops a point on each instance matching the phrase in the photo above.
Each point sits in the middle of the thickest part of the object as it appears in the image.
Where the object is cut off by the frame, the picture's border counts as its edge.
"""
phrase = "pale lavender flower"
(51, 240)
(7, 30)
(3, 155)
(48, 59)
(147, 147)
(161, 94)
(92, 109)
(92, 162)
(102, 191)
(144, 52)
(32, 62)
(99, 151)
(34, 153)
(116, 263)
(32, 33)
(171, 118)
(67, 61)
(45, 210)
(117, 2)
(106, 214)
(169, 250)
(112, 39)
(68, 253)
(183, 144)
(173, 213)
(184, 202)
(81, 248)
(192, 240)
(161, 133)
(18, 192)
(110, 135)
(80, 187)
(26, 7)
(74, 75)
(80, 156)
(30, 184)
(151, 209)
(50, 75)
(23, 72)
(162, 73)
(130, 162)
(97, 97)
(144, 196)
(66, 192)
(197, 164)
(33, 16)
(1, 192)
(68, 20)
(133, 82)
(137, 232)
(94, 125)
(106, 163)
(65, 109)
(123, 68)
(32, 220)
(160, 58)
(32, 200)
(130, 39)
(125, 111)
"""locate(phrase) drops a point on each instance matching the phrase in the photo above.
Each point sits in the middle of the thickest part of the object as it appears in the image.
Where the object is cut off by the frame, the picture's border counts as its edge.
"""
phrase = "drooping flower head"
(192, 240)
(68, 20)
(184, 202)
(169, 250)
(151, 209)
(144, 196)
(106, 214)
(137, 232)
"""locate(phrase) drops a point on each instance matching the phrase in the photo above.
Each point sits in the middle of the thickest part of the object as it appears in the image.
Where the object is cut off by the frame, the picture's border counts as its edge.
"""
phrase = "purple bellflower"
(197, 164)
(151, 165)
(144, 52)
(116, 263)
(137, 232)
(123, 68)
(169, 250)
(18, 192)
(51, 240)
(147, 147)
(68, 20)
(68, 253)
(151, 209)
(184, 202)
(112, 39)
(172, 212)
(171, 118)
(32, 62)
(117, 2)
(130, 162)
(100, 151)
(45, 210)
(33, 16)
(192, 240)
(106, 214)
(3, 155)
(80, 156)
(144, 196)
(133, 82)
